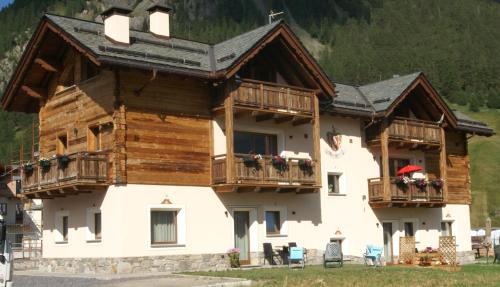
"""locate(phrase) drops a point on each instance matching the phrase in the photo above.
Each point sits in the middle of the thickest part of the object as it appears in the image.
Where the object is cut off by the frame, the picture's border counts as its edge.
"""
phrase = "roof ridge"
(390, 79)
(250, 31)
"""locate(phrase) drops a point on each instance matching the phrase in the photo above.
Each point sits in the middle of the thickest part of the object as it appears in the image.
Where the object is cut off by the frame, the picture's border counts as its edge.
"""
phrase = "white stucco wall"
(311, 219)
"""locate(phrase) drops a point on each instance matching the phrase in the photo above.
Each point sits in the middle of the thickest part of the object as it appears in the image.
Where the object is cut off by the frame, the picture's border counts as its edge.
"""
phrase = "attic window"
(89, 70)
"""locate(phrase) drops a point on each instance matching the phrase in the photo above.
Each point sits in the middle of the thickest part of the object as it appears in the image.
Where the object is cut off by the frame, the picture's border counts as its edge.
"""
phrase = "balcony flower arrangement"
(62, 161)
(252, 160)
(437, 184)
(279, 163)
(234, 257)
(306, 166)
(402, 181)
(44, 163)
(28, 168)
(420, 183)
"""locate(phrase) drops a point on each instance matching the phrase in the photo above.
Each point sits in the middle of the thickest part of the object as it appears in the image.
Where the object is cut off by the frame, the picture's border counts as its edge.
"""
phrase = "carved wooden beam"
(38, 93)
(48, 65)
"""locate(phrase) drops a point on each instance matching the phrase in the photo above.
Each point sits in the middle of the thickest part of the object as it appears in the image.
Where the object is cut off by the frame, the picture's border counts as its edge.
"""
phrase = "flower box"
(44, 164)
(62, 161)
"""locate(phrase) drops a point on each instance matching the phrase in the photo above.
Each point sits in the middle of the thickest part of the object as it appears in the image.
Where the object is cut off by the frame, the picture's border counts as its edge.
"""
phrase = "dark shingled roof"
(147, 49)
(377, 97)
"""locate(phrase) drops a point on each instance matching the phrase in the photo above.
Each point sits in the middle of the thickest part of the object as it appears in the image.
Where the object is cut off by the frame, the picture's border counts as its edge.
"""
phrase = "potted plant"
(62, 161)
(279, 163)
(402, 182)
(420, 183)
(44, 163)
(425, 260)
(437, 184)
(234, 257)
(28, 168)
(306, 166)
(252, 160)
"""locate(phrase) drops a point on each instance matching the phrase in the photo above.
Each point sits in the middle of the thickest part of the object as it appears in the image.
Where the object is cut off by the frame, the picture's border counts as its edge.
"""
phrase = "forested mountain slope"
(454, 42)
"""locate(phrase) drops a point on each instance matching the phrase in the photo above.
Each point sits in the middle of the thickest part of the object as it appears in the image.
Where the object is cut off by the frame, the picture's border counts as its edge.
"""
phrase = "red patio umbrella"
(409, 169)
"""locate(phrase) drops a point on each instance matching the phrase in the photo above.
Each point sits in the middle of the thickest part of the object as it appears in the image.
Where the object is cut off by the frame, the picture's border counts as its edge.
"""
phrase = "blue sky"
(4, 3)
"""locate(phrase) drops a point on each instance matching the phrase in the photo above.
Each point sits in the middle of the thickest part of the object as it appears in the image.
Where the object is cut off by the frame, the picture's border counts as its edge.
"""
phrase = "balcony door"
(259, 143)
(242, 234)
(388, 242)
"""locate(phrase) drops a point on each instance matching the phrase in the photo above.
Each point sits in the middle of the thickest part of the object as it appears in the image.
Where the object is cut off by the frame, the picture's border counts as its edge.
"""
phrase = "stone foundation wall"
(173, 263)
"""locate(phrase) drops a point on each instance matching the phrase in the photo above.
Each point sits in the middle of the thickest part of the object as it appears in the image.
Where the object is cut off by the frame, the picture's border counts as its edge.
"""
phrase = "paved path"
(37, 279)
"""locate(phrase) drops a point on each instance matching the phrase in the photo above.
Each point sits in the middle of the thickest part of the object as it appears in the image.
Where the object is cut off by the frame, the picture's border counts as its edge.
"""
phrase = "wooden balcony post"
(228, 113)
(384, 141)
(261, 89)
(443, 165)
(316, 140)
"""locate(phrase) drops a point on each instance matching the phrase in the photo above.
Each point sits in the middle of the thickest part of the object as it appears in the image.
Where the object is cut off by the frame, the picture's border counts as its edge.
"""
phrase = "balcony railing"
(273, 97)
(409, 193)
(83, 168)
(410, 130)
(262, 172)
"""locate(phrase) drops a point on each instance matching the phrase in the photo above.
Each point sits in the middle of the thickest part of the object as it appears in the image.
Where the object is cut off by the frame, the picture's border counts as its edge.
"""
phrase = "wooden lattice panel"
(448, 249)
(406, 249)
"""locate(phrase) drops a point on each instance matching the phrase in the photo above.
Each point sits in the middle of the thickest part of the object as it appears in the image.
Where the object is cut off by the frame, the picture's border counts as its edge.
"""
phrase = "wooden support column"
(229, 129)
(443, 165)
(316, 140)
(384, 143)
(119, 118)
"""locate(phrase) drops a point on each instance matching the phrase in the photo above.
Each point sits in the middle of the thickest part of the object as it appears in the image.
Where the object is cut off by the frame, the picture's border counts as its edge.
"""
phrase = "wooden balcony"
(399, 196)
(84, 172)
(262, 176)
(411, 133)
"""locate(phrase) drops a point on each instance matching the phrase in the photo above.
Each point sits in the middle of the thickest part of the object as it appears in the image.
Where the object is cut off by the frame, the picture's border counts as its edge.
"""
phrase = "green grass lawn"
(485, 167)
(357, 275)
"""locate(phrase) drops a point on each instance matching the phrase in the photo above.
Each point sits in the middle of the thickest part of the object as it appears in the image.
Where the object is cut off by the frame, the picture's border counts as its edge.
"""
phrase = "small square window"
(409, 229)
(163, 227)
(94, 138)
(446, 228)
(273, 224)
(333, 183)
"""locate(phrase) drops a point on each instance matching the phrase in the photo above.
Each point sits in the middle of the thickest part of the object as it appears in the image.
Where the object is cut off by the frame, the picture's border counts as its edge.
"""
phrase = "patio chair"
(296, 257)
(333, 254)
(373, 253)
(497, 254)
(270, 254)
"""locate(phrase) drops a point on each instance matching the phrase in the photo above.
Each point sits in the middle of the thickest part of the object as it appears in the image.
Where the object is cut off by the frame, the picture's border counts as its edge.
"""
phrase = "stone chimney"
(159, 20)
(116, 24)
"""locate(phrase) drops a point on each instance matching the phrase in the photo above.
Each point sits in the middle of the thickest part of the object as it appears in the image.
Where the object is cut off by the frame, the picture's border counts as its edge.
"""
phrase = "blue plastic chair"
(296, 256)
(373, 253)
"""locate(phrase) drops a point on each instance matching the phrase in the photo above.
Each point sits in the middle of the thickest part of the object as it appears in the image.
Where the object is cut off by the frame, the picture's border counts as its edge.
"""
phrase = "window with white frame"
(335, 183)
(167, 225)
(446, 229)
(275, 220)
(94, 225)
(62, 227)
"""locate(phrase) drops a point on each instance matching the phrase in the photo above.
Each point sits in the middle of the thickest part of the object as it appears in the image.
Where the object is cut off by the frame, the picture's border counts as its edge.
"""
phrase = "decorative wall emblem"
(334, 139)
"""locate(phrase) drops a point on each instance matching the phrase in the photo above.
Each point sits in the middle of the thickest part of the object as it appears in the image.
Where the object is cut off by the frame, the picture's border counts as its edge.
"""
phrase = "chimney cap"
(116, 9)
(159, 6)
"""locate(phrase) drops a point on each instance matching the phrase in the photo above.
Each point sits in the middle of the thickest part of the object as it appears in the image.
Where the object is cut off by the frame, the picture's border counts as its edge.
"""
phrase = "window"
(396, 164)
(446, 228)
(94, 224)
(61, 227)
(19, 213)
(247, 142)
(94, 138)
(163, 227)
(3, 208)
(409, 231)
(65, 228)
(333, 183)
(273, 224)
(97, 225)
(62, 144)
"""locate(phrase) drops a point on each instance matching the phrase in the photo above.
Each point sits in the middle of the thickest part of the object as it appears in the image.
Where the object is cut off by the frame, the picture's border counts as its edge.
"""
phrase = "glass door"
(241, 235)
(387, 230)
